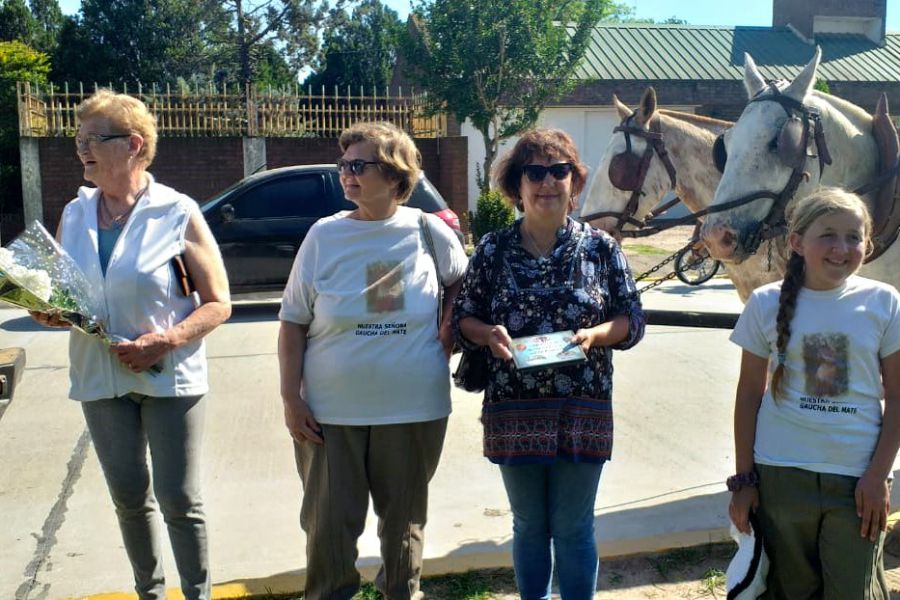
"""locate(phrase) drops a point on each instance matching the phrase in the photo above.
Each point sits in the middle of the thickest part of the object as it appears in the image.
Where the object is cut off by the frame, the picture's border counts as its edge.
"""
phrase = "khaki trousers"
(811, 534)
(393, 463)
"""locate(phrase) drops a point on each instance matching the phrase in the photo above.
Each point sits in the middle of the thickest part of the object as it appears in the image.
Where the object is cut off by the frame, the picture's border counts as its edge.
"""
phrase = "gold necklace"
(542, 254)
(117, 222)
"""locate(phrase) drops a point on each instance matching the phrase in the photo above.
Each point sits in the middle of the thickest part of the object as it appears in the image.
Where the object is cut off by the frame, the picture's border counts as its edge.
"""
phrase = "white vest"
(138, 295)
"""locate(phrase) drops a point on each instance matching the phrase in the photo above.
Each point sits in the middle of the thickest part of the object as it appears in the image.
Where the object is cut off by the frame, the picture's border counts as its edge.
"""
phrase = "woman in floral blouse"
(551, 429)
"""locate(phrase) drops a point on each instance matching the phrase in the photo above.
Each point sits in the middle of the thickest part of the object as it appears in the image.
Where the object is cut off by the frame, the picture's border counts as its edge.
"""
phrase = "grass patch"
(713, 580)
(645, 250)
(471, 585)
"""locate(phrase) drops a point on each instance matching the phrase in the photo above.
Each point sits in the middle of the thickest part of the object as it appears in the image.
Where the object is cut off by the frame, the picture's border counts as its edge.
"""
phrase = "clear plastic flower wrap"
(38, 275)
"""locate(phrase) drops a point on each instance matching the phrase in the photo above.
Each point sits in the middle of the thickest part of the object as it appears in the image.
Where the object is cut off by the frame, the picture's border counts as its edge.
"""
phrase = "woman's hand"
(499, 341)
(142, 353)
(300, 421)
(742, 502)
(445, 335)
(584, 338)
(48, 320)
(872, 505)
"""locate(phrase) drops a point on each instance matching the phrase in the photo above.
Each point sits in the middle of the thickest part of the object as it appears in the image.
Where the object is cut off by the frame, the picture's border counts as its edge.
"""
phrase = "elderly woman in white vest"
(124, 234)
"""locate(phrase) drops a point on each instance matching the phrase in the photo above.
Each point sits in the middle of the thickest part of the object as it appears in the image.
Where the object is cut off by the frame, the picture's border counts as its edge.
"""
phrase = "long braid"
(787, 302)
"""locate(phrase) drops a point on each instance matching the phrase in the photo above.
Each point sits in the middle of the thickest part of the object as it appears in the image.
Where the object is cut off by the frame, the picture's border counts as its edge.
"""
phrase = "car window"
(299, 196)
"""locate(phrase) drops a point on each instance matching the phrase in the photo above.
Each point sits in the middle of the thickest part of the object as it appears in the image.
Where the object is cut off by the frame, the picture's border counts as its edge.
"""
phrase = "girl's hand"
(48, 320)
(872, 505)
(499, 341)
(584, 338)
(142, 353)
(300, 421)
(742, 502)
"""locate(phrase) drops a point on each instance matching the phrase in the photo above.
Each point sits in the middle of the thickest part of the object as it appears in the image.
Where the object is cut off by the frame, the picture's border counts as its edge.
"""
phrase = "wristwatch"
(739, 481)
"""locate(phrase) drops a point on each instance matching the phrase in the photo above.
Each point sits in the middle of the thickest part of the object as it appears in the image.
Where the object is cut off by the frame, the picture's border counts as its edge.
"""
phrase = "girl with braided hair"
(817, 410)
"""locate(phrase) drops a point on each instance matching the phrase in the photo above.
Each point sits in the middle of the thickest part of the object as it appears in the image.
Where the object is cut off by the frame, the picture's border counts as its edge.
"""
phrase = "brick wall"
(202, 167)
(198, 167)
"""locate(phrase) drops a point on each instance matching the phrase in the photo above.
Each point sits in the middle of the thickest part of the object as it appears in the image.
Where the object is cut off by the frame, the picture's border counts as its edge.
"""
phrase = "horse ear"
(753, 80)
(881, 108)
(624, 111)
(647, 107)
(804, 82)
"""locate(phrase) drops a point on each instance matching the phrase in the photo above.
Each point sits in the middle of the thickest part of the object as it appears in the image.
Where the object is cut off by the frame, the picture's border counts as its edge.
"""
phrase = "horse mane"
(696, 126)
(695, 118)
(851, 111)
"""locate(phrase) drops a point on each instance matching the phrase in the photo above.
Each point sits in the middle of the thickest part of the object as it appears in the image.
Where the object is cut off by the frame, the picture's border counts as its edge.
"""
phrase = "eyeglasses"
(356, 166)
(536, 173)
(83, 141)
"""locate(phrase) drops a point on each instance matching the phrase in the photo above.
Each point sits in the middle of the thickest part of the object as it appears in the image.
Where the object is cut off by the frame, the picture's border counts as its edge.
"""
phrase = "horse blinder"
(792, 142)
(625, 171)
(719, 153)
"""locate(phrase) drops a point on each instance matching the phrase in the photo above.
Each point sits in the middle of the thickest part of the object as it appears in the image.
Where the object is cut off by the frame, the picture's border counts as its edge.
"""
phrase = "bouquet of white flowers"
(38, 275)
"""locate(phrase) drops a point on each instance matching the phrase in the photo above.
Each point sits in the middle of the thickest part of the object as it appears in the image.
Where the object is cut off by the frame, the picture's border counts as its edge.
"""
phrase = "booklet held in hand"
(546, 351)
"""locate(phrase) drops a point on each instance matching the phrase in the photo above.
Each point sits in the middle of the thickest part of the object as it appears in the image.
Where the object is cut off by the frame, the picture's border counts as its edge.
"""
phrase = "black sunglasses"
(536, 173)
(356, 166)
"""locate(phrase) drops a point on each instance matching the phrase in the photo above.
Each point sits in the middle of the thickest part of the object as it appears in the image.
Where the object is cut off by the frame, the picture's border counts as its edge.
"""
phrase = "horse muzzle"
(721, 241)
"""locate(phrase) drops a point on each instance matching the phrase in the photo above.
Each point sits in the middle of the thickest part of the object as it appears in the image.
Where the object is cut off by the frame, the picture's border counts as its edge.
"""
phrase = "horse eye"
(773, 145)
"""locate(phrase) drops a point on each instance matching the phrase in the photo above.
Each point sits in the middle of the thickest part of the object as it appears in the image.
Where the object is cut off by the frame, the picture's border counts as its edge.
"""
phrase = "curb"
(294, 582)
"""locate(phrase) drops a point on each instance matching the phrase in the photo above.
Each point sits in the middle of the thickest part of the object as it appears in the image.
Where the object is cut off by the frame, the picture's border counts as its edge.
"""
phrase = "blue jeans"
(553, 503)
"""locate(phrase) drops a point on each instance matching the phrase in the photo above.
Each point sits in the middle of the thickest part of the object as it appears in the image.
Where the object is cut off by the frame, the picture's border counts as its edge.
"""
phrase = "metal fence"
(49, 111)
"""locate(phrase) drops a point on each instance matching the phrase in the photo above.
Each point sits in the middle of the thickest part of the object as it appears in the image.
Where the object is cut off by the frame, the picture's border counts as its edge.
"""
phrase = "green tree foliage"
(358, 49)
(48, 20)
(16, 22)
(18, 62)
(499, 62)
(492, 212)
(822, 85)
(131, 41)
(290, 25)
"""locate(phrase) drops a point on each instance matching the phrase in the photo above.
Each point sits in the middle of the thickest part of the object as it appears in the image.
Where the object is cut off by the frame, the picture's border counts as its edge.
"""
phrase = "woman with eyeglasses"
(132, 238)
(364, 374)
(549, 429)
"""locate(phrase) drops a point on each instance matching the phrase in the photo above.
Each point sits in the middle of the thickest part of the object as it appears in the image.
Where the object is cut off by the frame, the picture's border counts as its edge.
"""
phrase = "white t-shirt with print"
(828, 414)
(368, 291)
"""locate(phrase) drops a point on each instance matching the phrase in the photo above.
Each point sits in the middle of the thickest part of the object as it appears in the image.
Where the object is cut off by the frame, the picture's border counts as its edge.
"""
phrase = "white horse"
(773, 148)
(688, 139)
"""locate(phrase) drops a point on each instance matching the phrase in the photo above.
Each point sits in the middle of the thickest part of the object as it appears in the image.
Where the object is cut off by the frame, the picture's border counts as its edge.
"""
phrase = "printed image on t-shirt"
(826, 359)
(384, 286)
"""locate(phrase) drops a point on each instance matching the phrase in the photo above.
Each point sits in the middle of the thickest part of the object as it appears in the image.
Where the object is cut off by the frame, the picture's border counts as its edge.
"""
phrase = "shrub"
(491, 213)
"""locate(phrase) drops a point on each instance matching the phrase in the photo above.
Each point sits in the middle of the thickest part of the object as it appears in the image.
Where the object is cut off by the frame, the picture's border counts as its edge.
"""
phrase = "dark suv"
(260, 221)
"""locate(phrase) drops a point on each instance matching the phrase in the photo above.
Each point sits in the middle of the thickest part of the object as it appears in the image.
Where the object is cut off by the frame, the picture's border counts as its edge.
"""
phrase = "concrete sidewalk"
(59, 540)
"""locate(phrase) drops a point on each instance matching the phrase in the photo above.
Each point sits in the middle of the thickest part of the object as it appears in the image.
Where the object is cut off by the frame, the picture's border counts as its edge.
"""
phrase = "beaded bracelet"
(739, 481)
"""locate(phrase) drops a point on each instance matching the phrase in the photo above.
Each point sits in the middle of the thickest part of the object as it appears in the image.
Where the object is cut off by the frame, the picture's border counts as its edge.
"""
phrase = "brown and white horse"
(687, 141)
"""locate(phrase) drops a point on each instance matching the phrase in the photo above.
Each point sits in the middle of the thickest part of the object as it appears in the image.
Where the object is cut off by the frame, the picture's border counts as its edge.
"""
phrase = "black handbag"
(473, 371)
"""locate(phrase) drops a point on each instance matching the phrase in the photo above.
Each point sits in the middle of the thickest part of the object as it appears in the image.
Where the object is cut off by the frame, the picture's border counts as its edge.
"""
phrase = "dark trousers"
(811, 533)
(393, 463)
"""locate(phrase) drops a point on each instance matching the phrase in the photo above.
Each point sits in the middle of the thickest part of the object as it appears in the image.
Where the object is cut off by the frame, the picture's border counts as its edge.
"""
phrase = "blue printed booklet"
(546, 351)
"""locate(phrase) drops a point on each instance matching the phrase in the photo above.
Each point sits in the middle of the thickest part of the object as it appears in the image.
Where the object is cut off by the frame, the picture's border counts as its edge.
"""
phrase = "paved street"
(59, 538)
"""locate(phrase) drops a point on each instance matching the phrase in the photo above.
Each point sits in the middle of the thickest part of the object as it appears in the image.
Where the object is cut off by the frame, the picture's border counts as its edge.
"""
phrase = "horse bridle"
(801, 119)
(623, 166)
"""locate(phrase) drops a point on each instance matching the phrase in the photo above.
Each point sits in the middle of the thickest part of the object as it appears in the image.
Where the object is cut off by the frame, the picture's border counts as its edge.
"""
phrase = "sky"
(695, 12)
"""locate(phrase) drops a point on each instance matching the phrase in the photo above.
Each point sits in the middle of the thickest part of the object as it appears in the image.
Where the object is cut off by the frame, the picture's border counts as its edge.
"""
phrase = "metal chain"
(659, 266)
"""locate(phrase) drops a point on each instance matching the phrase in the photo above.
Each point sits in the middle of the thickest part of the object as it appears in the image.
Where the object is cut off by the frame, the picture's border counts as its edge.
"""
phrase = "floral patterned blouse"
(538, 415)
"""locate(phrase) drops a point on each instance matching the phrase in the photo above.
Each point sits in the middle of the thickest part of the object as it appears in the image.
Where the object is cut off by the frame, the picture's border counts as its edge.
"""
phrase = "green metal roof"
(685, 52)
